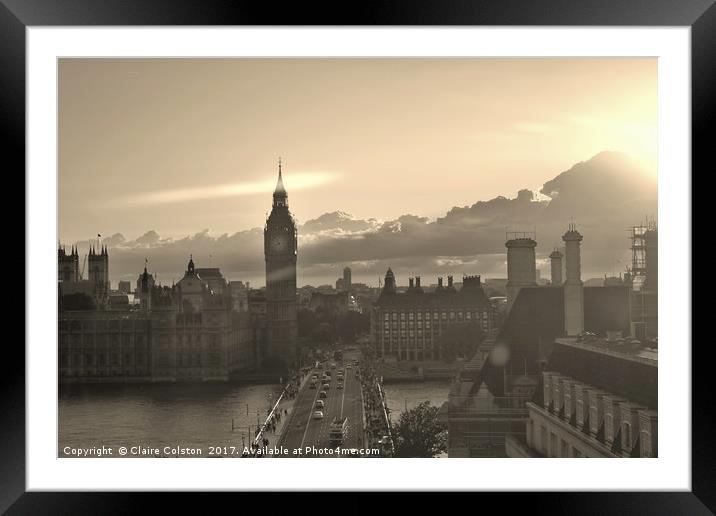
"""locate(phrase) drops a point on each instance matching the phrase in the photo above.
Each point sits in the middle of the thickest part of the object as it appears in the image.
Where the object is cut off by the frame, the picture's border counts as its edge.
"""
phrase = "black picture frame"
(16, 15)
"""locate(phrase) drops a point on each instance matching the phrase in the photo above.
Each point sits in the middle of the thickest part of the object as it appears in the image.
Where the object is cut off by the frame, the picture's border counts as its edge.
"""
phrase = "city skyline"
(168, 158)
(337, 239)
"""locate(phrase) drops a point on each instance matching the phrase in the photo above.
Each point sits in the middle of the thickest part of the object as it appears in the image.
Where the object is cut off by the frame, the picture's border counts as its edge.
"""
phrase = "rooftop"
(624, 369)
(469, 295)
(625, 348)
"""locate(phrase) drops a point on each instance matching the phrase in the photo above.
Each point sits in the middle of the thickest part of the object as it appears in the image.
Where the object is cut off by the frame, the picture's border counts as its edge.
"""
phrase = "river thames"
(159, 415)
(189, 415)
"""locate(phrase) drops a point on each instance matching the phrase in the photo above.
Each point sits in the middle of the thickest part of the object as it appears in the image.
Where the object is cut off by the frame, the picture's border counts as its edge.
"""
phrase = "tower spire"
(279, 195)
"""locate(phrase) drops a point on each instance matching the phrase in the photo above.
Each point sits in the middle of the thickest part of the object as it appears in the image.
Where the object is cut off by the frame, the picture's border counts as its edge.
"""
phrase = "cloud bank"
(603, 196)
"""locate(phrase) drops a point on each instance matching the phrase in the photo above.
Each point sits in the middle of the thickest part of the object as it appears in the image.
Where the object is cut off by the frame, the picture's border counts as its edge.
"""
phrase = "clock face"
(279, 243)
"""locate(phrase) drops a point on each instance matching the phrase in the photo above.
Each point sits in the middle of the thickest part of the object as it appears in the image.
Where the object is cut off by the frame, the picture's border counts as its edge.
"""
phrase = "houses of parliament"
(203, 328)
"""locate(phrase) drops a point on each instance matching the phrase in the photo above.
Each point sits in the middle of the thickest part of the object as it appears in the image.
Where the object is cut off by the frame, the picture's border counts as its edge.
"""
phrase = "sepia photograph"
(387, 258)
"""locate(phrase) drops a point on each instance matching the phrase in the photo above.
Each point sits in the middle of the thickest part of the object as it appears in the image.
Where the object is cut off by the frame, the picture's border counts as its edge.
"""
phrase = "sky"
(189, 147)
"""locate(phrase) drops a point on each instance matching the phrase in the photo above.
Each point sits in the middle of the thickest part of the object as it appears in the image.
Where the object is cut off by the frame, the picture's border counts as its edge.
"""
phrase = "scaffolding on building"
(638, 237)
(637, 273)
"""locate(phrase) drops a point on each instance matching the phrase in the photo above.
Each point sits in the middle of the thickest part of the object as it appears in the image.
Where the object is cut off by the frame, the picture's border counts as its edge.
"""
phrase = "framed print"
(426, 238)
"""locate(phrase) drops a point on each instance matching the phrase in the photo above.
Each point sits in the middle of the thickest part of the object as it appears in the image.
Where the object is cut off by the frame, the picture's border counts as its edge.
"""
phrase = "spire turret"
(389, 283)
(280, 197)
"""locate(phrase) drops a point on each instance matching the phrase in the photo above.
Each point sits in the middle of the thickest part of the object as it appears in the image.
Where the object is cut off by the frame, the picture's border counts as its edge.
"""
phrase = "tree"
(351, 324)
(460, 340)
(419, 434)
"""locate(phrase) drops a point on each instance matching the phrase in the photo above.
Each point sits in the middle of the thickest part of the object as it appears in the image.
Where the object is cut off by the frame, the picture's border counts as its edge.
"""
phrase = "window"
(576, 453)
(554, 452)
(626, 436)
(564, 451)
(530, 433)
(608, 430)
(645, 443)
(543, 439)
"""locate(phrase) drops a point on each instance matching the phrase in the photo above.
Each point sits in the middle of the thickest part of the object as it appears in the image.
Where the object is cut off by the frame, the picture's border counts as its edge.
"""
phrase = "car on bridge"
(318, 414)
(326, 386)
(320, 404)
(340, 386)
(323, 394)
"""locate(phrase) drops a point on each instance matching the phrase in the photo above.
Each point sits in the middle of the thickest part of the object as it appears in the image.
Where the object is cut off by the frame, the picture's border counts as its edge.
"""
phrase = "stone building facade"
(157, 342)
(409, 325)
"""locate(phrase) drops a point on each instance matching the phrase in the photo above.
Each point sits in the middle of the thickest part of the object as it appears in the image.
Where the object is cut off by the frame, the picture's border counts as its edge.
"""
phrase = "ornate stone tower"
(280, 251)
(68, 265)
(98, 263)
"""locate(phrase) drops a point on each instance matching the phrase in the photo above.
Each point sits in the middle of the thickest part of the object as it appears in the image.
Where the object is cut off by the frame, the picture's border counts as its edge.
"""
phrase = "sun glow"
(295, 181)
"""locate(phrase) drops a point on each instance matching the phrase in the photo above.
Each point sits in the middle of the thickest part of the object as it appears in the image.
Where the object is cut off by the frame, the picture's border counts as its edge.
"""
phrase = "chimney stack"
(573, 287)
(440, 282)
(449, 281)
(417, 281)
(521, 267)
(556, 263)
(410, 281)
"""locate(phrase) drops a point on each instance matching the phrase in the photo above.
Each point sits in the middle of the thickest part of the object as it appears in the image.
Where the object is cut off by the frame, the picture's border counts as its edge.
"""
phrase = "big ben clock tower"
(280, 250)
